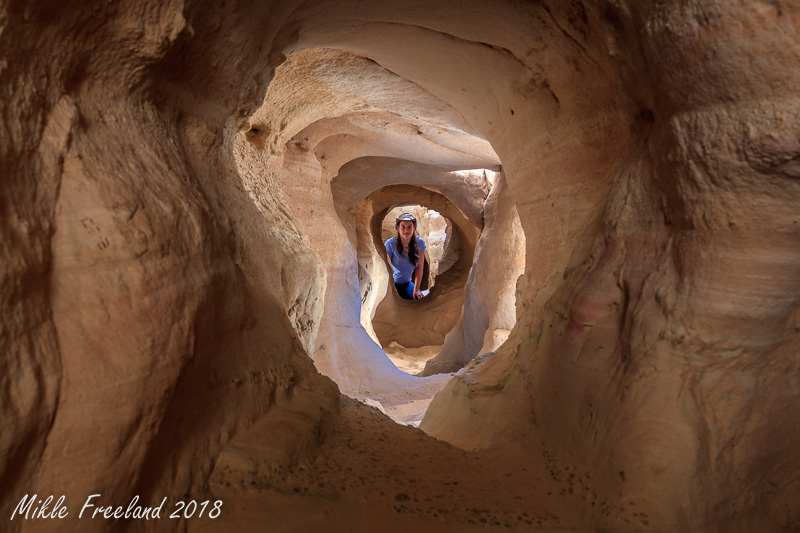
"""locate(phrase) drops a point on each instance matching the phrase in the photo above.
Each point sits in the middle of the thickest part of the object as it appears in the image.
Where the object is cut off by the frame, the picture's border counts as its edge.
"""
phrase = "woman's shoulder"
(389, 240)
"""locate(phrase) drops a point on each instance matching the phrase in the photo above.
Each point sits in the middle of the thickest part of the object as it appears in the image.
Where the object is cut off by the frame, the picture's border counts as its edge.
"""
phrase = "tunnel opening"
(442, 250)
(339, 162)
(339, 125)
(341, 155)
(418, 323)
(573, 187)
(413, 332)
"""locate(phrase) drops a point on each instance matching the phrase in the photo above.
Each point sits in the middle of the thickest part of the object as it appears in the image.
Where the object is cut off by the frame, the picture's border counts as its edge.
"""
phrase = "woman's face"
(406, 230)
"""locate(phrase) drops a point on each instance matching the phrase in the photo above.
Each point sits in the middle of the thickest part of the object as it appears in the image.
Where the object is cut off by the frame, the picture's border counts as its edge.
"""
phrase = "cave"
(194, 307)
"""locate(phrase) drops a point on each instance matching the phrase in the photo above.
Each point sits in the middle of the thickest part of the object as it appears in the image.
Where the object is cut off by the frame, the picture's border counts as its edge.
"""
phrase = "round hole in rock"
(453, 325)
(441, 253)
(321, 163)
(416, 330)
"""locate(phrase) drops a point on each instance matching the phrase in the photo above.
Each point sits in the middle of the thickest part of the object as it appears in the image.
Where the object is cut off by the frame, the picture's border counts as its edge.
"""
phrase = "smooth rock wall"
(639, 374)
(133, 263)
(489, 309)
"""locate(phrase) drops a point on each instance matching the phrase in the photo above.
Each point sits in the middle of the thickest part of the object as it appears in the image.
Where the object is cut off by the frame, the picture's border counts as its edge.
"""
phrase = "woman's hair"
(412, 245)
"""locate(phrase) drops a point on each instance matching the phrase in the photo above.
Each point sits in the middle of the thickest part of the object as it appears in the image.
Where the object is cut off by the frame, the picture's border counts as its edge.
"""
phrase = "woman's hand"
(417, 294)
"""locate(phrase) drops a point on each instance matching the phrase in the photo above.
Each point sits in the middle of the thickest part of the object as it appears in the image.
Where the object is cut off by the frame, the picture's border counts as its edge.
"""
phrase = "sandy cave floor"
(410, 360)
(349, 485)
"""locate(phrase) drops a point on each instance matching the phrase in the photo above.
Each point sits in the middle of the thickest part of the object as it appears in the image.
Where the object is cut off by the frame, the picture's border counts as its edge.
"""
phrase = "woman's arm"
(418, 275)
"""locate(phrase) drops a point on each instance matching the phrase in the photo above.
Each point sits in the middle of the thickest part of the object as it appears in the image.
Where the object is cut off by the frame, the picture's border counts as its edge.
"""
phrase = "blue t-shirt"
(402, 265)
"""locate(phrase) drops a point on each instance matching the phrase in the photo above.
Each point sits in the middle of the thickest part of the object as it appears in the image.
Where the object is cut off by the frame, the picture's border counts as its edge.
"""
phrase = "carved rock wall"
(175, 251)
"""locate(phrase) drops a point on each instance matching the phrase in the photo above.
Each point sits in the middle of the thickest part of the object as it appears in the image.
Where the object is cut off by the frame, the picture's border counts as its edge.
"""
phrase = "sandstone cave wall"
(640, 341)
(136, 314)
(652, 152)
(489, 304)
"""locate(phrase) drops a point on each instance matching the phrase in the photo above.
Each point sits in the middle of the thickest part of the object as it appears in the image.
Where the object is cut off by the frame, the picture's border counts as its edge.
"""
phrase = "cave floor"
(370, 474)
(411, 360)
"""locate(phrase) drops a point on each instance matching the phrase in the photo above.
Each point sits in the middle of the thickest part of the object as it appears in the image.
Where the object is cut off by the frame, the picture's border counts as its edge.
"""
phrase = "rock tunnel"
(194, 295)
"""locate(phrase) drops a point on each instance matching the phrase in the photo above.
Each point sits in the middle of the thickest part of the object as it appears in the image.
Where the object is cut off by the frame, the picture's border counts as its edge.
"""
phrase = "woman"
(405, 251)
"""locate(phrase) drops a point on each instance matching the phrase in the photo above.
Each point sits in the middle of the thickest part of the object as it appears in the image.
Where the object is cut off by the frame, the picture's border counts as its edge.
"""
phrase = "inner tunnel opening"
(408, 343)
(345, 159)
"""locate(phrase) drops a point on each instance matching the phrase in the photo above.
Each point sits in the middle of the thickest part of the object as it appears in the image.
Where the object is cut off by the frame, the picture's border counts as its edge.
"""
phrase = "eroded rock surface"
(182, 190)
